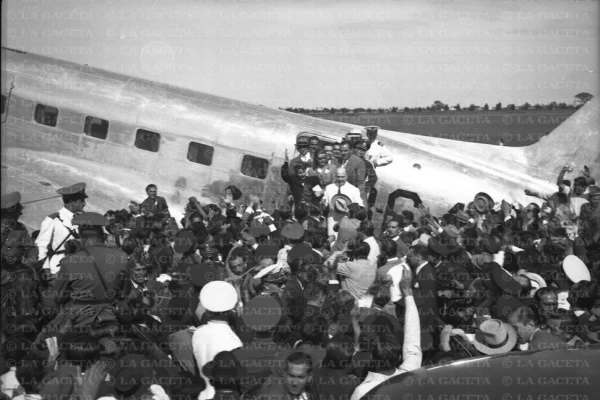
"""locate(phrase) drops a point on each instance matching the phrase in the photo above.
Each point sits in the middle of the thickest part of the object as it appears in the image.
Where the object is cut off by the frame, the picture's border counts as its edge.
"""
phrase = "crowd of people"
(298, 299)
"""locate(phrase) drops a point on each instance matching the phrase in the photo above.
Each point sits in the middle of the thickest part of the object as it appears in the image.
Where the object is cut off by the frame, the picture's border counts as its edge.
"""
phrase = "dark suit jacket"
(150, 206)
(356, 171)
(425, 294)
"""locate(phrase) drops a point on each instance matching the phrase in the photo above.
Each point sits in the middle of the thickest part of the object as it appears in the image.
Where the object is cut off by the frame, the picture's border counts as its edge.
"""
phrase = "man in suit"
(424, 286)
(17, 246)
(528, 326)
(151, 205)
(303, 147)
(324, 171)
(394, 232)
(356, 171)
(329, 157)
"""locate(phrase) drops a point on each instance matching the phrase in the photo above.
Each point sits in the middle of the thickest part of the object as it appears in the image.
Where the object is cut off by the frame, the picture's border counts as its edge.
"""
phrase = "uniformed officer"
(18, 251)
(91, 278)
(17, 246)
(58, 228)
(377, 153)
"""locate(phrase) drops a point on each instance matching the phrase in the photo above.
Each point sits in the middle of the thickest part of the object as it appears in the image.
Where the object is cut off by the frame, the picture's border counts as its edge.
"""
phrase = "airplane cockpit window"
(200, 153)
(45, 115)
(255, 167)
(96, 127)
(147, 140)
(3, 104)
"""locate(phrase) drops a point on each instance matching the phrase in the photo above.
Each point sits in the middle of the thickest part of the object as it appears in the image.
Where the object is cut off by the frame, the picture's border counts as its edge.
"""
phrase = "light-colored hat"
(356, 131)
(495, 337)
(537, 282)
(575, 269)
(218, 296)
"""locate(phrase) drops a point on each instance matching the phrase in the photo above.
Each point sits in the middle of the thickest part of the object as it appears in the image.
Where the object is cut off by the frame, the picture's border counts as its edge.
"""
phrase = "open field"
(516, 128)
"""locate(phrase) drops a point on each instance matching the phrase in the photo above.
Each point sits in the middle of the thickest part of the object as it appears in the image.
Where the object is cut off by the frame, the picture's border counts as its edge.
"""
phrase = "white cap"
(218, 296)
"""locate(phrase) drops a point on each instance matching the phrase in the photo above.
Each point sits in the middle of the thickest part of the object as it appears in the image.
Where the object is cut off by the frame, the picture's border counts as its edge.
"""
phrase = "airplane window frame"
(86, 123)
(138, 140)
(204, 149)
(255, 170)
(36, 112)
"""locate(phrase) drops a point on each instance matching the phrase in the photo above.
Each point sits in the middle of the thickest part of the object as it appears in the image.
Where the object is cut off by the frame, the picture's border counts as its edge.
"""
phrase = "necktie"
(339, 190)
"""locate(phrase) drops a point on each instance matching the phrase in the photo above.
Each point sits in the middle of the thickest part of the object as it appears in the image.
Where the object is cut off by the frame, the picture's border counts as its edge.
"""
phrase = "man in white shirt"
(217, 298)
(377, 154)
(341, 186)
(56, 228)
(387, 353)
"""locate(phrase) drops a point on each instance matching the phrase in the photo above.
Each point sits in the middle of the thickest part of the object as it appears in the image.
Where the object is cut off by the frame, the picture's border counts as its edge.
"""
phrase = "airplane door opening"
(6, 89)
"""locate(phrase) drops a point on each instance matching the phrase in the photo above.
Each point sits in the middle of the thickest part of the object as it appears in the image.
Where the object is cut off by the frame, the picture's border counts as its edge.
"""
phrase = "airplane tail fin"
(576, 140)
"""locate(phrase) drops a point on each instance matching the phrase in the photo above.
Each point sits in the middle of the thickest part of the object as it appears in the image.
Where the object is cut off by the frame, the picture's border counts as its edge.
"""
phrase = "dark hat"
(293, 231)
(505, 281)
(340, 203)
(492, 244)
(266, 251)
(177, 312)
(132, 376)
(483, 202)
(276, 277)
(207, 250)
(438, 245)
(235, 192)
(262, 313)
(361, 144)
(372, 129)
(10, 200)
(224, 369)
(73, 192)
(201, 274)
(89, 220)
(302, 141)
(456, 208)
(462, 216)
(184, 241)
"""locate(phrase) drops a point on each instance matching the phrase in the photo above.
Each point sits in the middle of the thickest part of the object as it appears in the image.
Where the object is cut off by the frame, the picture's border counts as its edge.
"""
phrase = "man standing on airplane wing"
(377, 153)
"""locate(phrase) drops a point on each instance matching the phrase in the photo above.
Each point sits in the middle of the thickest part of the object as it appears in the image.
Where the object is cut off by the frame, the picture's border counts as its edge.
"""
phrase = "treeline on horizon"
(439, 106)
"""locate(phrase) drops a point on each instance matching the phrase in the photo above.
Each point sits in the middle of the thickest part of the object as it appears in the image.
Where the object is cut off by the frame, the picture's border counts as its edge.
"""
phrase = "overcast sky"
(328, 53)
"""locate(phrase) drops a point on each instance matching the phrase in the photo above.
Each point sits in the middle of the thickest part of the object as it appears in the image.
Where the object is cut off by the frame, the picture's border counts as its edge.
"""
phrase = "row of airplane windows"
(254, 167)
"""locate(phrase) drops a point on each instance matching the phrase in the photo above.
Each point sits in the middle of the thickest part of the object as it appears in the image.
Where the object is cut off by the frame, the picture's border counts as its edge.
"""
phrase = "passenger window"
(96, 127)
(3, 104)
(147, 140)
(200, 153)
(255, 167)
(46, 115)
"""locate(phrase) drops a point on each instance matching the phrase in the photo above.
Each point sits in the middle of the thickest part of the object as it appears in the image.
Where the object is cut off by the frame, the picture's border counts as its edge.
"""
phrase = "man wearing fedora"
(304, 187)
(495, 337)
(57, 228)
(303, 147)
(341, 189)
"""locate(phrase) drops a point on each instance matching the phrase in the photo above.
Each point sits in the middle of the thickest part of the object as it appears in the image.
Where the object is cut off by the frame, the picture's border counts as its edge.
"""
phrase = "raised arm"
(412, 355)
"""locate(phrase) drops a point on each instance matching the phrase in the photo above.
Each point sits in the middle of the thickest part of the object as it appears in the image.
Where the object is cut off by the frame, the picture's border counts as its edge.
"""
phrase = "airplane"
(64, 123)
(521, 375)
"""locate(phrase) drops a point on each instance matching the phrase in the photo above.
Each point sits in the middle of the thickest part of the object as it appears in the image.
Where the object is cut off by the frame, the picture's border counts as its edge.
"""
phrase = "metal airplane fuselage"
(37, 159)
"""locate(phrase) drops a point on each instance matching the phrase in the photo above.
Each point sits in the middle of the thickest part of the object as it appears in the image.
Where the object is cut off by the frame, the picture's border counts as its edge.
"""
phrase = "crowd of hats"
(505, 264)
